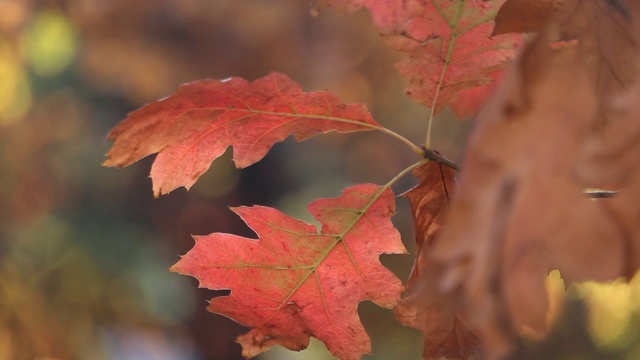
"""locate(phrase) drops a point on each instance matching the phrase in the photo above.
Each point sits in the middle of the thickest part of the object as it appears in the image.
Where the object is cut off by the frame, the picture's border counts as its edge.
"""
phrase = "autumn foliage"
(297, 281)
(549, 180)
(195, 126)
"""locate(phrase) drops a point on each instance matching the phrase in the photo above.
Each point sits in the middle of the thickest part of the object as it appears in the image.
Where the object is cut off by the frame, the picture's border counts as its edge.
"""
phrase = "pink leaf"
(450, 49)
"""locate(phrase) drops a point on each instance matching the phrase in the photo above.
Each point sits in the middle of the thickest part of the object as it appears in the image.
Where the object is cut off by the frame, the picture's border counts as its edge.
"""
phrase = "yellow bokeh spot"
(50, 43)
(612, 309)
(15, 91)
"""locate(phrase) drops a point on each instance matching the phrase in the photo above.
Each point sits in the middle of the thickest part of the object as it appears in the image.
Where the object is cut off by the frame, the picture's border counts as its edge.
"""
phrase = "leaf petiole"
(416, 149)
(445, 66)
(405, 172)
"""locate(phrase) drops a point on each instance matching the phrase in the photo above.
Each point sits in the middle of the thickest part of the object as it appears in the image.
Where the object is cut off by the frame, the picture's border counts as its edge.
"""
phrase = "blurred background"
(84, 250)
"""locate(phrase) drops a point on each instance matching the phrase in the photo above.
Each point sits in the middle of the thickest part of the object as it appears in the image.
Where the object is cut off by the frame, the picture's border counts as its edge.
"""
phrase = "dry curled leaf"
(422, 307)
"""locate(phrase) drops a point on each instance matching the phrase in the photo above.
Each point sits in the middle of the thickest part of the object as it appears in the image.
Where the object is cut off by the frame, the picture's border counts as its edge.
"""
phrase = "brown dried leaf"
(610, 160)
(422, 307)
(554, 128)
(429, 200)
(524, 15)
(609, 42)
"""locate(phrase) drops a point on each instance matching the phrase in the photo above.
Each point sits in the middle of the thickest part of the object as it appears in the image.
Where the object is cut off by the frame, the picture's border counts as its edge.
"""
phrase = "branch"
(434, 155)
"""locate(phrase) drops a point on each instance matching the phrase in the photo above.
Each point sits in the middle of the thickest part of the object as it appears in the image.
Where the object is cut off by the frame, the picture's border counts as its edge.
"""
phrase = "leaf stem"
(366, 208)
(445, 66)
(405, 172)
(379, 127)
(416, 149)
(437, 157)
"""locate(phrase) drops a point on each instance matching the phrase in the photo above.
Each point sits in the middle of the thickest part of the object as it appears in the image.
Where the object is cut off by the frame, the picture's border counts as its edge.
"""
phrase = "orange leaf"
(295, 281)
(194, 126)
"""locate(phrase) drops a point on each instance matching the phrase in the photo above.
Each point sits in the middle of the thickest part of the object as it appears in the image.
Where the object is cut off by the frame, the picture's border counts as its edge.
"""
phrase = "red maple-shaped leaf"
(451, 49)
(296, 281)
(195, 125)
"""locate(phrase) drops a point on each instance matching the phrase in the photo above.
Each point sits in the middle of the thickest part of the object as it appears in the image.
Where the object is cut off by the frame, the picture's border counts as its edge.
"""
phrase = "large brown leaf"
(609, 41)
(553, 129)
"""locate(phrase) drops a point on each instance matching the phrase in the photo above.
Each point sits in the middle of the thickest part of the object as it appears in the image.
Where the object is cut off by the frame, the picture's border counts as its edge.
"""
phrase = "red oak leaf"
(295, 281)
(450, 49)
(195, 125)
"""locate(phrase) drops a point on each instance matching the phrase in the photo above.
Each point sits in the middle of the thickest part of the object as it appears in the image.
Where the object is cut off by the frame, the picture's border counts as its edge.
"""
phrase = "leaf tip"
(111, 162)
(177, 267)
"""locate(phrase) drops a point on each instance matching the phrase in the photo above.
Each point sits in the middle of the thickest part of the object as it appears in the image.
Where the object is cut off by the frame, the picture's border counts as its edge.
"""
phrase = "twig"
(434, 155)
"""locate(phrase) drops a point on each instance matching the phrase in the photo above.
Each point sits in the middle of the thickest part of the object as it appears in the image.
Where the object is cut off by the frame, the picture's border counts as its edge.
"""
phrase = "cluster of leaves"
(562, 120)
